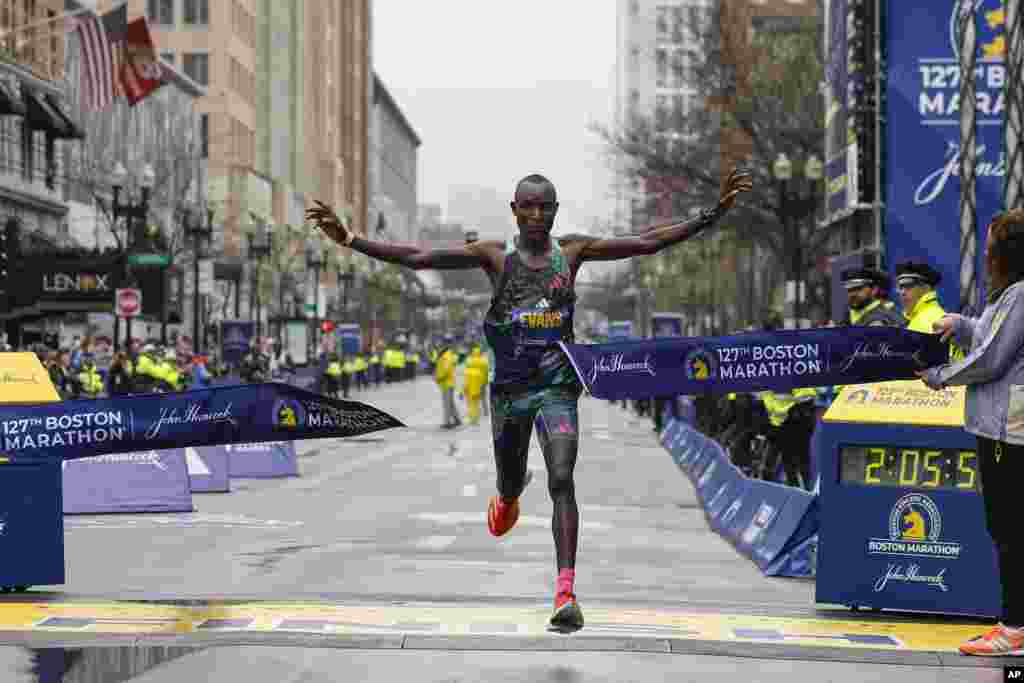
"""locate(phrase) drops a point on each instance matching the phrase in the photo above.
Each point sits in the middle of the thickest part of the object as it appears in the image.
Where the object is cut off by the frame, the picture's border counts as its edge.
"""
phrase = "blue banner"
(922, 142)
(236, 335)
(263, 460)
(840, 196)
(148, 481)
(145, 422)
(773, 525)
(758, 361)
(208, 469)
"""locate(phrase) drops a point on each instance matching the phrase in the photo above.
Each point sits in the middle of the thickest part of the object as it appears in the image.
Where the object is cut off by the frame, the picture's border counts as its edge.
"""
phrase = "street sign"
(149, 260)
(128, 302)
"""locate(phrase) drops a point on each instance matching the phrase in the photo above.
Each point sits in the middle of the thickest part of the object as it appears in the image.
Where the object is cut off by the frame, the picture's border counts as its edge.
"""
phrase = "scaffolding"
(968, 54)
(1013, 187)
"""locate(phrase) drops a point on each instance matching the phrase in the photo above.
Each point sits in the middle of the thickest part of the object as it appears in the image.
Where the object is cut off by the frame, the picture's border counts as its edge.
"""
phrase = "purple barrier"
(208, 469)
(262, 460)
(147, 481)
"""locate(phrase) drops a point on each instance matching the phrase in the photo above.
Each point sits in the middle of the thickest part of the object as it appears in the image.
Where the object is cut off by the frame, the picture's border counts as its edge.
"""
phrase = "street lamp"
(315, 262)
(261, 244)
(346, 278)
(794, 208)
(199, 230)
(135, 214)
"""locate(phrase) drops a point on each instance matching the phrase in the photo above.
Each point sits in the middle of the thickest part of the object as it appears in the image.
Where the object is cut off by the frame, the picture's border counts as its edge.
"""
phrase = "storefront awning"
(10, 104)
(75, 131)
(41, 115)
(45, 308)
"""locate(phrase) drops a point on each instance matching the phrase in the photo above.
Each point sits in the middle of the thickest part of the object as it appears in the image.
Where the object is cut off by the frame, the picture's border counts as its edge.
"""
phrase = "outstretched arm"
(474, 255)
(659, 237)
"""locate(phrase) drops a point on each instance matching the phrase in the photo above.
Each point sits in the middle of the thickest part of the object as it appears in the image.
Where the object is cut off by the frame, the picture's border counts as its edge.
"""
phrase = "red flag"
(141, 72)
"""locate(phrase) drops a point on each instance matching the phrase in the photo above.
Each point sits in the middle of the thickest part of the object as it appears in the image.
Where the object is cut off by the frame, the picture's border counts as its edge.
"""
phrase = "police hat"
(855, 278)
(911, 273)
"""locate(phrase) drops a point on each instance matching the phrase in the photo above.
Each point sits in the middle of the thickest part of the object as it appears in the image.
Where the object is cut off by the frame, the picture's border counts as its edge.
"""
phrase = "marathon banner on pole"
(757, 361)
(205, 417)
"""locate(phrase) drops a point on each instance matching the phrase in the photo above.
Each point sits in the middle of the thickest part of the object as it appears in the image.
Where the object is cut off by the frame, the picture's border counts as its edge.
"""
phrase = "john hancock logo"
(616, 363)
(288, 414)
(915, 530)
(700, 365)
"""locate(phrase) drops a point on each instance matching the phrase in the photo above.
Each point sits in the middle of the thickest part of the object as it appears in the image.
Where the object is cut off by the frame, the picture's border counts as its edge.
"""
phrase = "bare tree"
(760, 98)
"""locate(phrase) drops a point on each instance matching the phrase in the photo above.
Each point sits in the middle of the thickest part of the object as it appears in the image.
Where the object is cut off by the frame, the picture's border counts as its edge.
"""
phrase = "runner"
(532, 309)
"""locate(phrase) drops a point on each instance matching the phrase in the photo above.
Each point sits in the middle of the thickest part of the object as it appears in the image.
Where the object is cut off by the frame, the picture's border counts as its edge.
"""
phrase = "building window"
(197, 12)
(661, 59)
(10, 158)
(27, 152)
(661, 113)
(243, 143)
(662, 22)
(243, 24)
(161, 12)
(242, 81)
(680, 110)
(204, 136)
(679, 68)
(197, 67)
(679, 25)
(167, 56)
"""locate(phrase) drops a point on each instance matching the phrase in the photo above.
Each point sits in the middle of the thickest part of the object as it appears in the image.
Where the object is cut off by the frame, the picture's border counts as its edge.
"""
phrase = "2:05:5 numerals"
(918, 468)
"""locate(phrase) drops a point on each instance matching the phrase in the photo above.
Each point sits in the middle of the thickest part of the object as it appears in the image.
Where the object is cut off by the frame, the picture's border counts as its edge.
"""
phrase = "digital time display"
(909, 467)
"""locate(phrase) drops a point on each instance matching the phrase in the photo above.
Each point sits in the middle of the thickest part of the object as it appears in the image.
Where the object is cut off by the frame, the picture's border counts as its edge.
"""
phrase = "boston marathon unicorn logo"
(700, 365)
(288, 414)
(991, 38)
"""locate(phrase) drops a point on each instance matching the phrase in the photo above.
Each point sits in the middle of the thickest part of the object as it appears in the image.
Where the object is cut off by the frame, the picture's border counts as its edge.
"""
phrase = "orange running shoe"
(501, 517)
(999, 642)
(567, 616)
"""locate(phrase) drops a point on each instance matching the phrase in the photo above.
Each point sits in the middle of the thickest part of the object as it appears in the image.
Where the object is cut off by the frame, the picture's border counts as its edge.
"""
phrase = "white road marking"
(435, 542)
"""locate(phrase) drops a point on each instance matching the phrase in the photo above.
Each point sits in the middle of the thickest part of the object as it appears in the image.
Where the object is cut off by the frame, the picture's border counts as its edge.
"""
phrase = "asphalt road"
(376, 564)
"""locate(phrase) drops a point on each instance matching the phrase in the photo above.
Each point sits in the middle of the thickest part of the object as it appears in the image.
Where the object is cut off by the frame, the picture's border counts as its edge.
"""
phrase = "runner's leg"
(558, 432)
(511, 427)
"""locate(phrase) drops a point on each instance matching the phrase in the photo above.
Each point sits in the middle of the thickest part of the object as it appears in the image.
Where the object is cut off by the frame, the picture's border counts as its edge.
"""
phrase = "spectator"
(444, 375)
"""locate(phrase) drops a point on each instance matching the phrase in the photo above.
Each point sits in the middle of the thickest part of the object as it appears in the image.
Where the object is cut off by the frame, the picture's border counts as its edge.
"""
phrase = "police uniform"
(876, 313)
(927, 310)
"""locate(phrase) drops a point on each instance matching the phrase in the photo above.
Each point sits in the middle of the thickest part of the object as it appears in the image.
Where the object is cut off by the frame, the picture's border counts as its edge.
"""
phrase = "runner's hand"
(739, 181)
(324, 217)
(944, 326)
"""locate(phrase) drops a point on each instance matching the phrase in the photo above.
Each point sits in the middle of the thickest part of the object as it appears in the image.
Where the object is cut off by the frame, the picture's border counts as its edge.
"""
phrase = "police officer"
(866, 308)
(89, 379)
(333, 376)
(921, 307)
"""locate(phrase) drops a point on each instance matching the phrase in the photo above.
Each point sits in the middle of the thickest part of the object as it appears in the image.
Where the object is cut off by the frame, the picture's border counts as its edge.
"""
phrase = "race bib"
(539, 326)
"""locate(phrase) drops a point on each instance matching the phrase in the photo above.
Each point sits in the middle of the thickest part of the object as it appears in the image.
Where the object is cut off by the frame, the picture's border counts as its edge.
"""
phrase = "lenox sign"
(61, 283)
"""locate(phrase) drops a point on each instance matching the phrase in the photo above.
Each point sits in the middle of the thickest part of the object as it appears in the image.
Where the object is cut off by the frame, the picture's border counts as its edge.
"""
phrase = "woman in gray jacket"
(993, 372)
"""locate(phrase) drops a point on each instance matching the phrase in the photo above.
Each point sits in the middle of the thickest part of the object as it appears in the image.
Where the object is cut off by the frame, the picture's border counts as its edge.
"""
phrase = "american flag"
(102, 39)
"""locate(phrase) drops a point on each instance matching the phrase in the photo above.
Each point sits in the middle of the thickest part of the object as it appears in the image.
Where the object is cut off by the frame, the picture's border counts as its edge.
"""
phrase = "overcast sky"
(499, 90)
